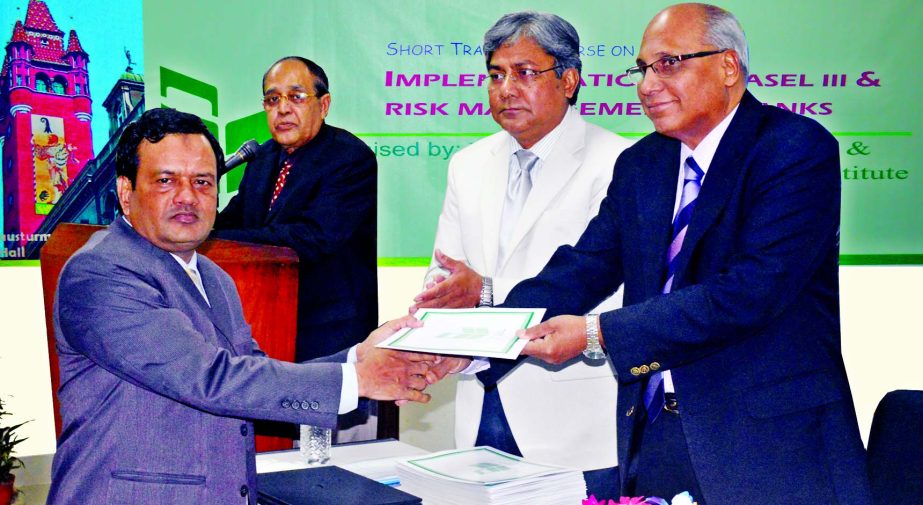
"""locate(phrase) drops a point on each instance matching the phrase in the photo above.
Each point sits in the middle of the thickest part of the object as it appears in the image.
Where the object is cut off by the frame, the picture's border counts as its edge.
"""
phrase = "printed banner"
(409, 79)
(50, 156)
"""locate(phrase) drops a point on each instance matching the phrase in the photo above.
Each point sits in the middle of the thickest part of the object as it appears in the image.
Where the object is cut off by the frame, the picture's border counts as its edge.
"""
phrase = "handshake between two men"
(386, 374)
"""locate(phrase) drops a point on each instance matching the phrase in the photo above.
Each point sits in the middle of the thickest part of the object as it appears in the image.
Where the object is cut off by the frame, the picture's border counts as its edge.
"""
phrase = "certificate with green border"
(487, 332)
(480, 465)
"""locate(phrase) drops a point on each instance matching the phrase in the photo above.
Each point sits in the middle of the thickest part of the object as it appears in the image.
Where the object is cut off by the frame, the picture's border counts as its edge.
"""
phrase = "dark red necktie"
(280, 181)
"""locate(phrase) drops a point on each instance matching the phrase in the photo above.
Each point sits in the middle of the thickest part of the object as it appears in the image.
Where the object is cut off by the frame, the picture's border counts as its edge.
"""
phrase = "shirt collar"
(193, 263)
(705, 151)
(542, 149)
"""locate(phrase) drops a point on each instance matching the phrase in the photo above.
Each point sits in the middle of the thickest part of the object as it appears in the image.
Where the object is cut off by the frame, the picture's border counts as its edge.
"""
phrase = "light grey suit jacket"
(158, 387)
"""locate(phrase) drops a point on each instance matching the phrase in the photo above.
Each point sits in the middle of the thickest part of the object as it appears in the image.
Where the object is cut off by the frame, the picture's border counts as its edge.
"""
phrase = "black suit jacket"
(327, 214)
(751, 329)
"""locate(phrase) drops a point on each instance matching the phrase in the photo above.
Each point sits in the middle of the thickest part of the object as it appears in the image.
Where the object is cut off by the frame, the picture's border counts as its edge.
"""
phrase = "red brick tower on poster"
(45, 112)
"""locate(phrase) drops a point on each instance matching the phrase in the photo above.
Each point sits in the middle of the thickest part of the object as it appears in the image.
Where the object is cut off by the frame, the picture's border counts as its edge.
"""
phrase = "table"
(375, 459)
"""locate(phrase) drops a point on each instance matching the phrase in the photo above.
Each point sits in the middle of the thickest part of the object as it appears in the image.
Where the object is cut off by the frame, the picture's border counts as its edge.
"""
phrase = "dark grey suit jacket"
(158, 387)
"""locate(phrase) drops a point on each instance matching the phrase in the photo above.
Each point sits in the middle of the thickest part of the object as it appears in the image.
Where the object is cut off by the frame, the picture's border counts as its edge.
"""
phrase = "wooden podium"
(266, 278)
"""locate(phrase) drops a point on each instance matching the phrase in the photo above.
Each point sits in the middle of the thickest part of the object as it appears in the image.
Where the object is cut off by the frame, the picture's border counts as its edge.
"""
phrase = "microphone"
(243, 155)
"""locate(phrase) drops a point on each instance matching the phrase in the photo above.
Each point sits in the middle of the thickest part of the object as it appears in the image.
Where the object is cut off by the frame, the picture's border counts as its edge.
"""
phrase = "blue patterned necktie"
(654, 399)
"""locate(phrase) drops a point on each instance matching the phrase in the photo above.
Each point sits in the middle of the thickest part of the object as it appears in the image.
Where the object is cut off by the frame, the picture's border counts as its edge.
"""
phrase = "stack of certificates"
(483, 475)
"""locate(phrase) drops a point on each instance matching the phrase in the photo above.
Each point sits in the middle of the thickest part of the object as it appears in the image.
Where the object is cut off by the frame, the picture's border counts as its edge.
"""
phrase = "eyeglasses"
(524, 76)
(667, 66)
(274, 100)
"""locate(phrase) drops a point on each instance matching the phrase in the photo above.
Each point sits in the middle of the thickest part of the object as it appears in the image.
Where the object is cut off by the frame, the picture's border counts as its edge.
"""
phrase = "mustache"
(185, 209)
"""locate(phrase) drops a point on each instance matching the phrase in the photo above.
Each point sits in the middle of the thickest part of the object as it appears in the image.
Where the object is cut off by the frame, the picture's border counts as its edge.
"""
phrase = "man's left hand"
(461, 289)
(557, 339)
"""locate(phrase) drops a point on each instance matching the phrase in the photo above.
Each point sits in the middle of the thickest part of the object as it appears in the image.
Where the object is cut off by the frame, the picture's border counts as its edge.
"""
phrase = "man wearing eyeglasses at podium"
(313, 188)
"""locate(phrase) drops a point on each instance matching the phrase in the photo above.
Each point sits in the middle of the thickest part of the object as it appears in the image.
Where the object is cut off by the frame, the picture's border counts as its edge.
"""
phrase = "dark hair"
(153, 126)
(552, 33)
(321, 86)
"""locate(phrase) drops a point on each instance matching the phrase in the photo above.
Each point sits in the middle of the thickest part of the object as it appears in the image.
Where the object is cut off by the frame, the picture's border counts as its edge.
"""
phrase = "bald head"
(719, 28)
(700, 91)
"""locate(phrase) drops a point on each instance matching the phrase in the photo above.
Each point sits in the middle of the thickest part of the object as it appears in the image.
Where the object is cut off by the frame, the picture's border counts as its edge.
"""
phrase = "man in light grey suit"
(159, 373)
(512, 199)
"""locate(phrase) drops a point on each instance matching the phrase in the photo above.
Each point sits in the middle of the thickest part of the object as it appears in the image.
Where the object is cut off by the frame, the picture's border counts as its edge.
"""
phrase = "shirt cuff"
(351, 356)
(349, 394)
(476, 365)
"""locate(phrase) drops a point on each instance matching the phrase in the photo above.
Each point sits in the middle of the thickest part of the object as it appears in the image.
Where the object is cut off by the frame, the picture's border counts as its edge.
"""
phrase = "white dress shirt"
(703, 154)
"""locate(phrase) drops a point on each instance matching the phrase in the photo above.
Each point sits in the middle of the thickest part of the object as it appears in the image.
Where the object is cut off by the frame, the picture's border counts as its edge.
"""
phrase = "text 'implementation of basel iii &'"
(598, 73)
(589, 80)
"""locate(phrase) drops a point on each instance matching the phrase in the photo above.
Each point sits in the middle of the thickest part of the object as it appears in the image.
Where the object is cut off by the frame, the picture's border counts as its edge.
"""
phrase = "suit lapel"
(495, 171)
(256, 187)
(165, 260)
(563, 162)
(303, 173)
(721, 179)
(305, 170)
(656, 195)
(219, 313)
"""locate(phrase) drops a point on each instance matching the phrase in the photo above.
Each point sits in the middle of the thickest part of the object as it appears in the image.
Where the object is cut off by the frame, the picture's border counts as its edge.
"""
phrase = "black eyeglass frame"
(636, 74)
(519, 75)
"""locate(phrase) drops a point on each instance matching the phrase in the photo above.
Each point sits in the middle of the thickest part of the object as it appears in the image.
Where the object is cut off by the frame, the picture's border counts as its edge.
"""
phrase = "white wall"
(25, 381)
(881, 310)
(882, 346)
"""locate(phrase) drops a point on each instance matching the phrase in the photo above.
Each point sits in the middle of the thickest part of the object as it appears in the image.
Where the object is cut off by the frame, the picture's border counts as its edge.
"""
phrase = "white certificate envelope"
(487, 332)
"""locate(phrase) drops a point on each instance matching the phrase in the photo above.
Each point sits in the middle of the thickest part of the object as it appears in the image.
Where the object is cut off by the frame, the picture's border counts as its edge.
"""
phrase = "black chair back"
(895, 450)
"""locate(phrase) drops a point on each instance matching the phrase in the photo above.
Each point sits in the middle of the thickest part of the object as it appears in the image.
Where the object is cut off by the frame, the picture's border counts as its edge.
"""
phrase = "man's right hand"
(461, 289)
(385, 374)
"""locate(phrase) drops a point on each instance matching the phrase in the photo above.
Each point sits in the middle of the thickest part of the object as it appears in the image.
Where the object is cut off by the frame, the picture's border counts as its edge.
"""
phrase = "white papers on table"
(484, 475)
(382, 470)
(488, 332)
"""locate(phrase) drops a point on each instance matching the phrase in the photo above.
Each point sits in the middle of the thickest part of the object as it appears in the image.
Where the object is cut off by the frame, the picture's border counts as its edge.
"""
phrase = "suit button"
(635, 371)
(645, 369)
(631, 410)
(244, 490)
(655, 366)
(315, 405)
(305, 405)
(243, 430)
(296, 405)
(286, 404)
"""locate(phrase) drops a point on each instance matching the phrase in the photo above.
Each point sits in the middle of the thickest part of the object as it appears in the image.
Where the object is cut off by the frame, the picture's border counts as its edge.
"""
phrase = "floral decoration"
(683, 498)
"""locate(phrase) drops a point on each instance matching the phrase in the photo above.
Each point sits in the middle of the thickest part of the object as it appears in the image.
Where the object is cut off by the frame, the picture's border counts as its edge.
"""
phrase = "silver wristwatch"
(487, 292)
(593, 349)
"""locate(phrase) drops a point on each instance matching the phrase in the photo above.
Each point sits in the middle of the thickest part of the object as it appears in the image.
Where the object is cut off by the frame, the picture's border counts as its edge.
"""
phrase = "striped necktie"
(654, 398)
